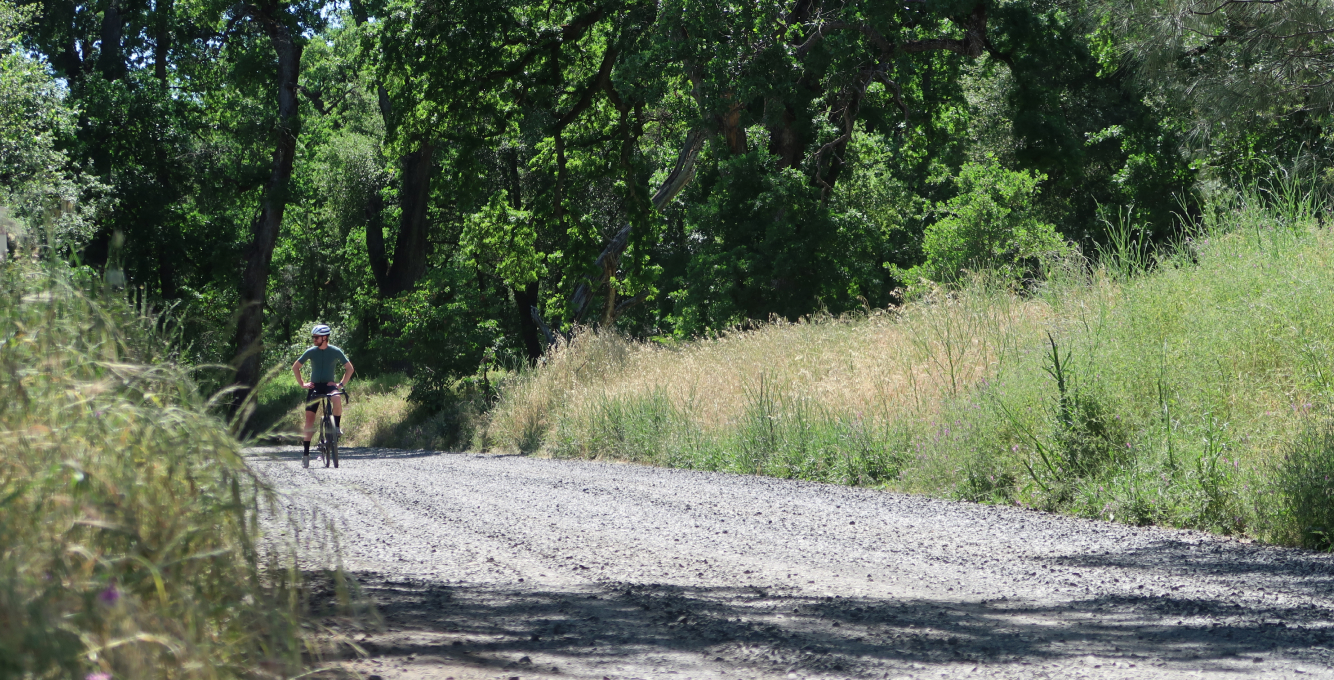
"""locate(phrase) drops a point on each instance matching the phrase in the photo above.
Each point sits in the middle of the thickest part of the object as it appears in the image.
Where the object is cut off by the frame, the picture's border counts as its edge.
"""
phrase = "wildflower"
(97, 676)
(109, 596)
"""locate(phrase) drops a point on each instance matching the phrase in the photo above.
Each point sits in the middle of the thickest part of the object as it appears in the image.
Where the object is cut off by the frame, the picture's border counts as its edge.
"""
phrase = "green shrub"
(991, 225)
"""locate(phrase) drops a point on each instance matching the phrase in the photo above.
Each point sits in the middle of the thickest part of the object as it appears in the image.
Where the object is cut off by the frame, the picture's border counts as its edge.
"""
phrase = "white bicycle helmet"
(320, 329)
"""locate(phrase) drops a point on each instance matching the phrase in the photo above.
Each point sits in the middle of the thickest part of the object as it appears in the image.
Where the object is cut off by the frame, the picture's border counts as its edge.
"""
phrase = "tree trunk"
(109, 59)
(165, 251)
(682, 172)
(408, 265)
(375, 240)
(784, 140)
(413, 244)
(162, 42)
(166, 271)
(264, 230)
(67, 60)
(733, 132)
(525, 299)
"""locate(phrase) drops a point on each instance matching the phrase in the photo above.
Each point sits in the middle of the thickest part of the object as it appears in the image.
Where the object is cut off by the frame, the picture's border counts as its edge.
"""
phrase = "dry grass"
(884, 366)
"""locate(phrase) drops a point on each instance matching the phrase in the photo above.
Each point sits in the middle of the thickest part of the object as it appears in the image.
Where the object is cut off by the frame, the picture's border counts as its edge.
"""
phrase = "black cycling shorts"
(315, 395)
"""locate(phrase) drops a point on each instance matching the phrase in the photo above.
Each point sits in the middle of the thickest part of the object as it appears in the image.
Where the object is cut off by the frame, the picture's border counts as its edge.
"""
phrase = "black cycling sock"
(338, 421)
(307, 443)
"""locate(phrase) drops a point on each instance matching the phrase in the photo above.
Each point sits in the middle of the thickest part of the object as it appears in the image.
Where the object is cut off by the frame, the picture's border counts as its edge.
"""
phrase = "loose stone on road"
(492, 566)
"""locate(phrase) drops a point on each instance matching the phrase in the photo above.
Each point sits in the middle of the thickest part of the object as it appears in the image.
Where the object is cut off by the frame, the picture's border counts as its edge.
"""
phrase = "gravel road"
(488, 566)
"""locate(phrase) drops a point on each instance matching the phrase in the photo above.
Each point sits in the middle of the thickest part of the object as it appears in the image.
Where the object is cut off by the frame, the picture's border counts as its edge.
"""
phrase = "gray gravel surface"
(490, 566)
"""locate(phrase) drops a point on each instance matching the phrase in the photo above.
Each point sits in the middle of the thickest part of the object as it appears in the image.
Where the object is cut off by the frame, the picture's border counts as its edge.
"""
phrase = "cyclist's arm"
(348, 370)
(296, 371)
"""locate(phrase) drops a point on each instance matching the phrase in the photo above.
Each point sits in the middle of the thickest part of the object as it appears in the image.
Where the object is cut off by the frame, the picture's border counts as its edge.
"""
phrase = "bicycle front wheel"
(333, 451)
(326, 429)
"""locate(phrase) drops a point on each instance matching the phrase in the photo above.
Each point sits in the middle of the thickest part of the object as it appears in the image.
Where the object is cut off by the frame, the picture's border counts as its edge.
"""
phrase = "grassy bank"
(1192, 388)
(131, 544)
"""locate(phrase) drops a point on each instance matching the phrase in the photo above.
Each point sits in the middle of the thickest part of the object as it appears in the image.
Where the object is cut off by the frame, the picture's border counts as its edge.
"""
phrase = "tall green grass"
(130, 542)
(1189, 386)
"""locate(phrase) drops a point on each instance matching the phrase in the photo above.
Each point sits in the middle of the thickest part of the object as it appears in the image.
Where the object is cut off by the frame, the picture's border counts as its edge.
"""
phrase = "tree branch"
(972, 44)
(568, 32)
(1226, 3)
(595, 83)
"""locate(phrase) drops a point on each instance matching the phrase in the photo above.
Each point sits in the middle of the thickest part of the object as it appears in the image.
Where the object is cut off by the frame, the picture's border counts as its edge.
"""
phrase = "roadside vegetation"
(131, 538)
(383, 413)
(1188, 386)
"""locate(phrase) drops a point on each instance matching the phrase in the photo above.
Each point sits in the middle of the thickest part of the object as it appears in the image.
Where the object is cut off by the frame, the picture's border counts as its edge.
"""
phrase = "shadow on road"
(293, 453)
(1299, 569)
(495, 626)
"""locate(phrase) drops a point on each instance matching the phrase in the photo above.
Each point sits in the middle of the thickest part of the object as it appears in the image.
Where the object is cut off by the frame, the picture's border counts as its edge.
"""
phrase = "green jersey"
(323, 362)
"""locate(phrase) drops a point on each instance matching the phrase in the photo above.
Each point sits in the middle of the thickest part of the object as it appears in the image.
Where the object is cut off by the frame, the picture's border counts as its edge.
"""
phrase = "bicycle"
(329, 434)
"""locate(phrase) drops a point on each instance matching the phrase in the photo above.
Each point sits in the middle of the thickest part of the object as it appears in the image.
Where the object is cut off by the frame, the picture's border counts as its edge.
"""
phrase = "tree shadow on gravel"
(293, 453)
(758, 629)
(1299, 570)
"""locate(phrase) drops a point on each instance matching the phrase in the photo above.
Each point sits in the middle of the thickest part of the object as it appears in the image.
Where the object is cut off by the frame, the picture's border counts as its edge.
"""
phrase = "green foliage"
(991, 225)
(1056, 108)
(1233, 59)
(461, 163)
(1243, 83)
(503, 241)
(765, 244)
(54, 203)
(438, 335)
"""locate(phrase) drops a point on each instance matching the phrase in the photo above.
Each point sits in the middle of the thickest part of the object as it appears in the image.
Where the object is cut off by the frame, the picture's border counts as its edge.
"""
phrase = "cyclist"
(323, 359)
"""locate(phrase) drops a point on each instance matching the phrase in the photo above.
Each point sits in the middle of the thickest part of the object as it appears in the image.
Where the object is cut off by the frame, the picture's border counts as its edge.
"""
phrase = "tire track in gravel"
(503, 566)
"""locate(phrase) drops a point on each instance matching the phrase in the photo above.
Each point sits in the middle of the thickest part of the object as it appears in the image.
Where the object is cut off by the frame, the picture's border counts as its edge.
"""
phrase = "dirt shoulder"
(489, 566)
